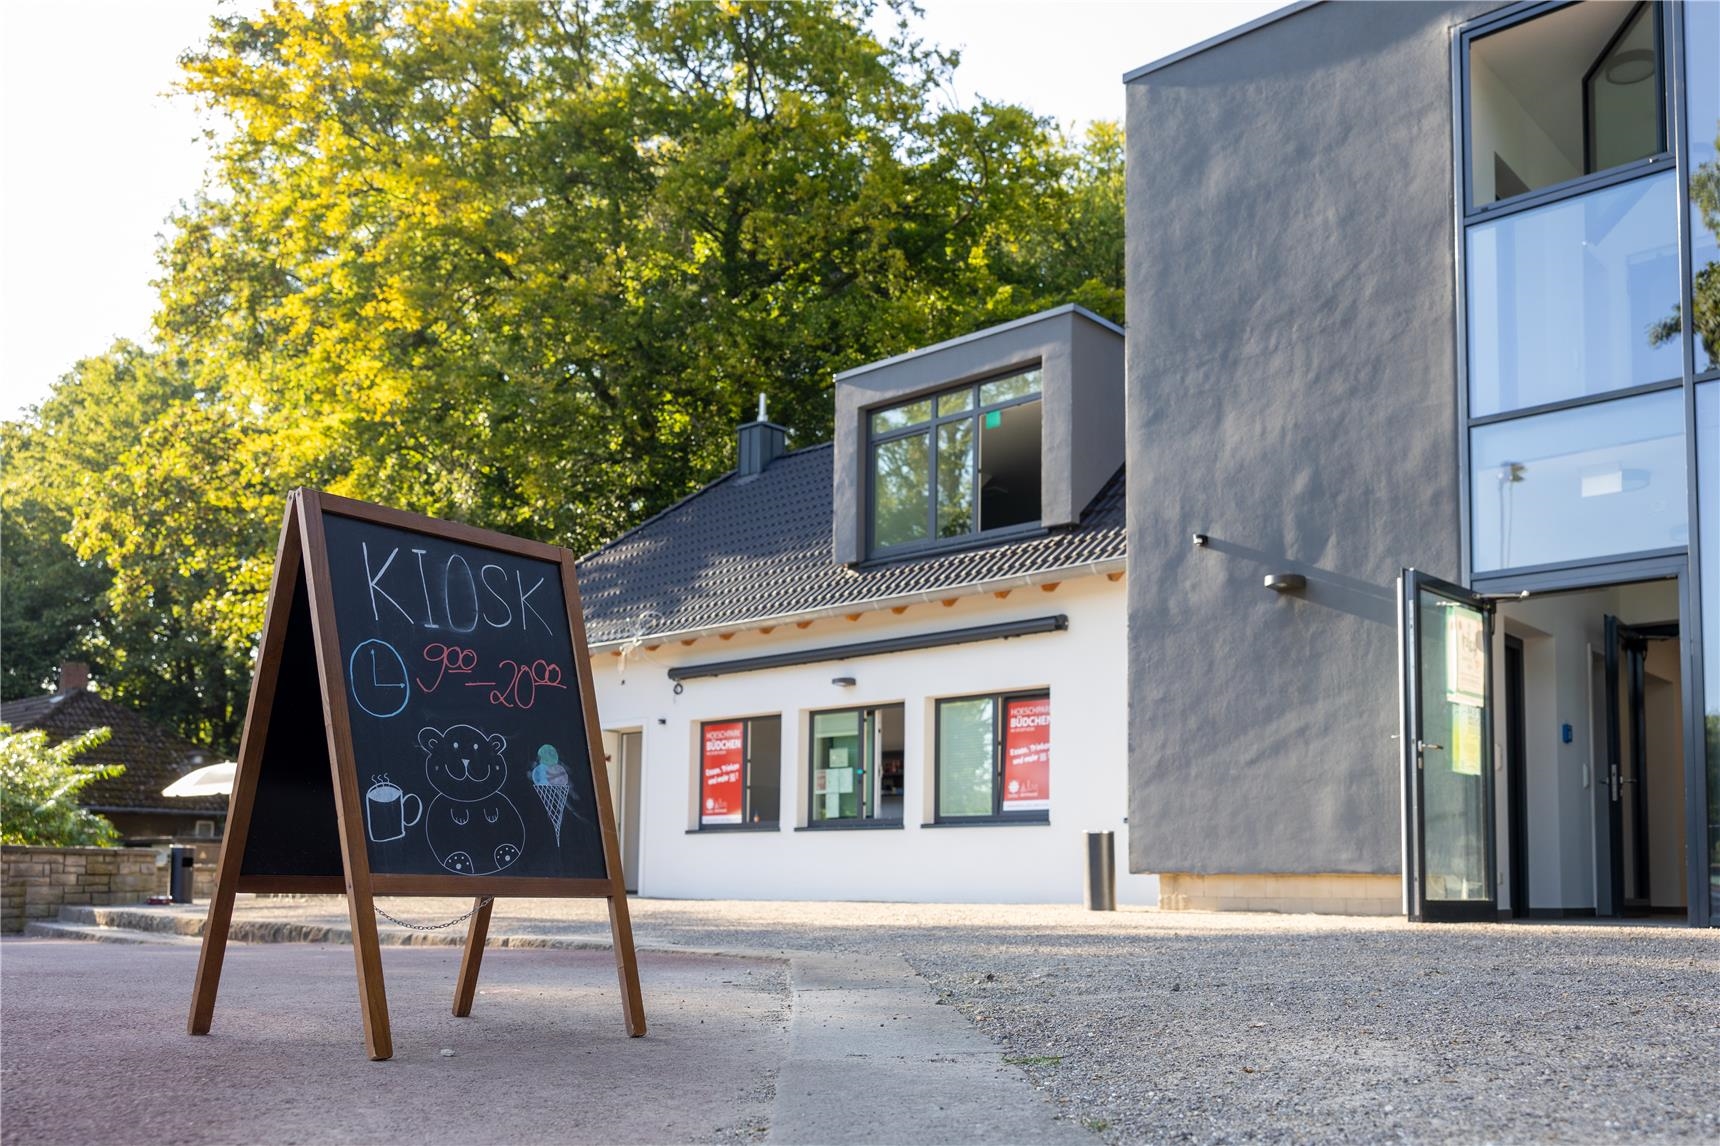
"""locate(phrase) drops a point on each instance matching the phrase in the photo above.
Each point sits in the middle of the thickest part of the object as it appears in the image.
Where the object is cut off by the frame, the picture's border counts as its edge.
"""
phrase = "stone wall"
(37, 882)
(1334, 894)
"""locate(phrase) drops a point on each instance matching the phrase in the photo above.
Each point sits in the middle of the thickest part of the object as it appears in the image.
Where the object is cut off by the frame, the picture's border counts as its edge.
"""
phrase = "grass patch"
(1097, 1125)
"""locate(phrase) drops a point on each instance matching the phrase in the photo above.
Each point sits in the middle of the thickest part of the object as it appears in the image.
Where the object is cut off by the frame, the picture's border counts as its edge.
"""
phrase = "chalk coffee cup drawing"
(385, 810)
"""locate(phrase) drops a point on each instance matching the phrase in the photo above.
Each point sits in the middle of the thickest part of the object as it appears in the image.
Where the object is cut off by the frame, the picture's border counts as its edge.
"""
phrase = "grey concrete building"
(1423, 369)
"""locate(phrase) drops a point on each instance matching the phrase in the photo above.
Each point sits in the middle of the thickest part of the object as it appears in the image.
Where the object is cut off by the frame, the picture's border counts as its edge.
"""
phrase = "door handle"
(1424, 745)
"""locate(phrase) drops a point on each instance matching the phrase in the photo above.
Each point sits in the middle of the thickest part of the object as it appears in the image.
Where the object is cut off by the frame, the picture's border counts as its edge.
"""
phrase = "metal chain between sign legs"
(482, 903)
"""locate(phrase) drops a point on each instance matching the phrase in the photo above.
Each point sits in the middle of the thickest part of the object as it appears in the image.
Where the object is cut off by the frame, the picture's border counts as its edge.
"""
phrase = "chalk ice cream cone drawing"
(550, 782)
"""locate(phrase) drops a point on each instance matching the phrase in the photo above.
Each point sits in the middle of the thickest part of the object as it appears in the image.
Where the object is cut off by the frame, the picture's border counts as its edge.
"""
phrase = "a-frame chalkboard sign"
(421, 722)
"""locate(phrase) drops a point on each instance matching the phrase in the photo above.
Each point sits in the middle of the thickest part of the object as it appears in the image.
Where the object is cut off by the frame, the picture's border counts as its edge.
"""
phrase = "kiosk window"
(740, 772)
(857, 765)
(994, 758)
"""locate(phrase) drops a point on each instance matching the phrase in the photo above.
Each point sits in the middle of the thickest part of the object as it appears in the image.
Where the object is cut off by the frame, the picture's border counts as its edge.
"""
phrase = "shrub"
(39, 786)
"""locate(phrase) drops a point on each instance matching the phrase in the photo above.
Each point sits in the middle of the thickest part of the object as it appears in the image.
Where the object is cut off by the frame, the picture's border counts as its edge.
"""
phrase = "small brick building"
(153, 759)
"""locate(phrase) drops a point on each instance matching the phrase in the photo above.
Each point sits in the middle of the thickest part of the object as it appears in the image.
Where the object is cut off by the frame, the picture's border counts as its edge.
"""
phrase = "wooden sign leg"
(626, 964)
(258, 710)
(209, 959)
(367, 951)
(476, 932)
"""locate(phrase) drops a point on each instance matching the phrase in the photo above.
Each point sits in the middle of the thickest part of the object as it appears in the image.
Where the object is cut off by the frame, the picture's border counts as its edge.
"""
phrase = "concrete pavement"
(96, 1051)
(813, 1049)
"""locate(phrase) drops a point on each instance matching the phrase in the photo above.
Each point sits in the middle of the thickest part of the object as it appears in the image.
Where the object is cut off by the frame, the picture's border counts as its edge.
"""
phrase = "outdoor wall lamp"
(1286, 582)
(842, 681)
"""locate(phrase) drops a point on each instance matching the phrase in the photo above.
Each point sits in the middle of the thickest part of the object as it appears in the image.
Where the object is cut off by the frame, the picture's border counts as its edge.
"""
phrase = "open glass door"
(1447, 636)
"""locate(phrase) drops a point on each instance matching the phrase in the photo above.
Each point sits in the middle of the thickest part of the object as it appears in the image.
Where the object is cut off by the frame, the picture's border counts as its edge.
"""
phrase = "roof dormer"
(997, 434)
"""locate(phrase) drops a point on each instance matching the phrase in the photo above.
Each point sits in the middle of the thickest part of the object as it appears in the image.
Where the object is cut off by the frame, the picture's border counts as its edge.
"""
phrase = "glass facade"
(1708, 496)
(1578, 297)
(1702, 87)
(1592, 481)
(1591, 250)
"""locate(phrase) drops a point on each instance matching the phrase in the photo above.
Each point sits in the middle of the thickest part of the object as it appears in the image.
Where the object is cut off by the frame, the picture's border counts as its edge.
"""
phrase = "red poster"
(1027, 755)
(722, 762)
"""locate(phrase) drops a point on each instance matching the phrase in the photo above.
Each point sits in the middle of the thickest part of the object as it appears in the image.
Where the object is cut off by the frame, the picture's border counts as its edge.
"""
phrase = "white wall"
(1017, 863)
(1501, 125)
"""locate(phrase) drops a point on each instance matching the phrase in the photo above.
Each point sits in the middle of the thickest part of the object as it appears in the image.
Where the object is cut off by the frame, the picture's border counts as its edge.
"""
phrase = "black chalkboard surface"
(421, 722)
(467, 730)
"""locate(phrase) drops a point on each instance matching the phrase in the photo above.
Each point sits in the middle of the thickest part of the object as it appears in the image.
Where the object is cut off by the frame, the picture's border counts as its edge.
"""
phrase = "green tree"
(524, 265)
(39, 785)
(53, 602)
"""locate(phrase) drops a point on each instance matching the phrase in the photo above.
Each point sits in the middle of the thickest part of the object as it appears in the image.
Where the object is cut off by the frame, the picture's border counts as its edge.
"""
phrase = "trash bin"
(1101, 871)
(181, 869)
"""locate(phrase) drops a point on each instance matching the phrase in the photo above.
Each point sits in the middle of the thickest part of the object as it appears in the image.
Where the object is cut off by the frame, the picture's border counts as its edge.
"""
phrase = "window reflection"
(1702, 43)
(955, 478)
(1564, 300)
(1594, 481)
(901, 490)
(966, 756)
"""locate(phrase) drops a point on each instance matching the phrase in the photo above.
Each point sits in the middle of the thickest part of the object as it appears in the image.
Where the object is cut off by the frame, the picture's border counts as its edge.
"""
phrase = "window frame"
(1665, 49)
(846, 824)
(1000, 701)
(746, 723)
(974, 412)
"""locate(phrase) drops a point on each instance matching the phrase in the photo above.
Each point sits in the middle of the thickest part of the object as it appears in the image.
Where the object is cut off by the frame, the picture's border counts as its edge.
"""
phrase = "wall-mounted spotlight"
(842, 681)
(1286, 582)
(1200, 540)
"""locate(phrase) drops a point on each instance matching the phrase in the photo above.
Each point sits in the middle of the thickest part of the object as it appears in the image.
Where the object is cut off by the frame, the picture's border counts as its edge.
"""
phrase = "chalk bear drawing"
(473, 828)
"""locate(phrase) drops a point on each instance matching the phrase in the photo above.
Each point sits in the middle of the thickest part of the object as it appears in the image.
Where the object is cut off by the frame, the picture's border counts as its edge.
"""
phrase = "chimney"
(761, 442)
(74, 676)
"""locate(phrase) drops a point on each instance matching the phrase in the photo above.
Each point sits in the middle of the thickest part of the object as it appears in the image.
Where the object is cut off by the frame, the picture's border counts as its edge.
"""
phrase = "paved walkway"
(96, 1050)
(1144, 1026)
(804, 1048)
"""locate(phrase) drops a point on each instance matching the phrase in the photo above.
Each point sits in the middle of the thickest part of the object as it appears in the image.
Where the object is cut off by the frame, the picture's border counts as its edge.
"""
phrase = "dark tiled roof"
(750, 549)
(153, 757)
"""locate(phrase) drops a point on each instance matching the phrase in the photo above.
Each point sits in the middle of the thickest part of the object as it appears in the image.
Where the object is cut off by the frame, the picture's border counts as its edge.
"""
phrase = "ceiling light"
(1630, 67)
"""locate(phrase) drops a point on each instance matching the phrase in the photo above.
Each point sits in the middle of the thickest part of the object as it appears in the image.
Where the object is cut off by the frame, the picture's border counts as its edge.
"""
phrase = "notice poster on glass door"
(1465, 657)
(1027, 755)
(722, 760)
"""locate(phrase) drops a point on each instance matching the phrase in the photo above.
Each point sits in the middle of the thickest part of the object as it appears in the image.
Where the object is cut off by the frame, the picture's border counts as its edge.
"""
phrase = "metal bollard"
(1101, 871)
(181, 867)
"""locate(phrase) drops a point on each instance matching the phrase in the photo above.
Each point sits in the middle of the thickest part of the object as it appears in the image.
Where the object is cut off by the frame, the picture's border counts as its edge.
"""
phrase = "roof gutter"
(1104, 567)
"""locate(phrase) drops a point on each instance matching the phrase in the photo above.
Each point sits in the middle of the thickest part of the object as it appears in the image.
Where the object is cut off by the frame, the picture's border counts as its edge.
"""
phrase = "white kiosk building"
(890, 667)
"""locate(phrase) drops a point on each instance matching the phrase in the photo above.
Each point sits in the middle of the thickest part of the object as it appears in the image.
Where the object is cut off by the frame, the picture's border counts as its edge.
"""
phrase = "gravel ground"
(1149, 1026)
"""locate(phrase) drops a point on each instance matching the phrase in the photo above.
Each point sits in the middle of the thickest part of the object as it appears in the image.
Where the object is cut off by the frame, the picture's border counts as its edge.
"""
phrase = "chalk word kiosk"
(421, 722)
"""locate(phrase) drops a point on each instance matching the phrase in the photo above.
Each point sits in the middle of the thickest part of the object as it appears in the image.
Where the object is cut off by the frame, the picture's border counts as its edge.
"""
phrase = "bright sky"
(94, 155)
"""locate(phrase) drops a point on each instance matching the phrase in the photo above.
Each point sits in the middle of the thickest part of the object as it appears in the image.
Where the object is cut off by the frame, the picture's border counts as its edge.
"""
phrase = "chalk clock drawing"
(472, 827)
(376, 673)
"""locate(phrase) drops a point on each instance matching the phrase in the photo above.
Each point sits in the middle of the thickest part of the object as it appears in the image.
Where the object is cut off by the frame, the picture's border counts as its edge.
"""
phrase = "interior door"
(1447, 645)
(632, 754)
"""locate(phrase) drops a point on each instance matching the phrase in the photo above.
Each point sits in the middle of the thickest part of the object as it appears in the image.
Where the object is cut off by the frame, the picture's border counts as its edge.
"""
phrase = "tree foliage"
(528, 265)
(39, 785)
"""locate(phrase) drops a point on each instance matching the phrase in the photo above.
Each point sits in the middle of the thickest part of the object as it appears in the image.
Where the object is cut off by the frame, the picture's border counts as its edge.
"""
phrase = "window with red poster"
(1027, 754)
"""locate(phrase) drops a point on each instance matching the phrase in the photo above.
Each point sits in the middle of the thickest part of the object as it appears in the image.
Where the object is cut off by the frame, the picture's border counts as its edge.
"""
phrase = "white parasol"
(214, 780)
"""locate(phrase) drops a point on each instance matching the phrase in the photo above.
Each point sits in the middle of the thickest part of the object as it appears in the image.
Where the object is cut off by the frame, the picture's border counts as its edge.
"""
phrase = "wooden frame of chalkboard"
(296, 826)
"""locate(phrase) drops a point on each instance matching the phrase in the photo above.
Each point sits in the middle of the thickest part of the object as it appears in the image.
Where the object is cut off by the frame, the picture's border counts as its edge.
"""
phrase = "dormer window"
(955, 464)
